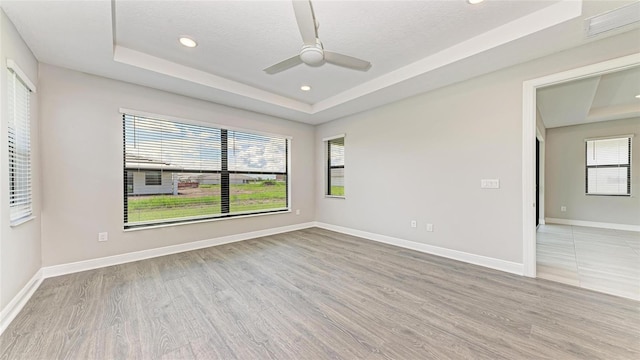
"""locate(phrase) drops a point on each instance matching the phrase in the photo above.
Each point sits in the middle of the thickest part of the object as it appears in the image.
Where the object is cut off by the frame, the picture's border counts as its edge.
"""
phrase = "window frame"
(327, 146)
(20, 211)
(214, 217)
(628, 166)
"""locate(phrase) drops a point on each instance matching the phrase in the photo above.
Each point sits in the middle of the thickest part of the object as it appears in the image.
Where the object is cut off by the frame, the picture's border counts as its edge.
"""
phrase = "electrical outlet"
(429, 227)
(103, 236)
(298, 212)
(414, 224)
(563, 208)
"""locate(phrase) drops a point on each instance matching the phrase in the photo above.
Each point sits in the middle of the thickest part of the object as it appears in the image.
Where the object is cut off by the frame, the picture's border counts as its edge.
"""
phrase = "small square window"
(608, 166)
(153, 178)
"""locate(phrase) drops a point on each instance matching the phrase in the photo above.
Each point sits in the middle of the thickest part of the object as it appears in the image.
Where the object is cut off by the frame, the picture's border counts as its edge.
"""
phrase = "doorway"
(530, 87)
(538, 206)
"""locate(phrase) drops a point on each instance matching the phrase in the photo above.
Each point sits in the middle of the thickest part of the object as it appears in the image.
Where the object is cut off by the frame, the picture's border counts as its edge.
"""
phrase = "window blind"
(608, 166)
(19, 132)
(177, 172)
(335, 167)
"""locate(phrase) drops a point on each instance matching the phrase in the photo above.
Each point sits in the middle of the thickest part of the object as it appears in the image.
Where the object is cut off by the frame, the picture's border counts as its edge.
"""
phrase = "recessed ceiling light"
(473, 2)
(188, 42)
(305, 87)
(638, 96)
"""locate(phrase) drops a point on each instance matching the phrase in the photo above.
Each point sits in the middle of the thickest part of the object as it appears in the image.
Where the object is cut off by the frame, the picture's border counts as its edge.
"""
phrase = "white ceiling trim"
(527, 25)
(624, 111)
(145, 61)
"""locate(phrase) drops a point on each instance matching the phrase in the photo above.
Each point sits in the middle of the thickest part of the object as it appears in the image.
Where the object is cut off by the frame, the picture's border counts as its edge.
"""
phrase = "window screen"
(335, 167)
(19, 131)
(176, 172)
(608, 166)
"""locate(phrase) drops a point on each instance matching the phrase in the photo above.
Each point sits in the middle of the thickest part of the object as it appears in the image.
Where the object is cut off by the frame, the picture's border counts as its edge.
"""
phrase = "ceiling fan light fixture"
(305, 88)
(188, 42)
(312, 55)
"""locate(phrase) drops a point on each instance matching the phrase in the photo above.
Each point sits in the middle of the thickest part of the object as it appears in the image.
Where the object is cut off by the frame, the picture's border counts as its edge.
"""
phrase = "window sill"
(196, 221)
(335, 197)
(618, 195)
(18, 222)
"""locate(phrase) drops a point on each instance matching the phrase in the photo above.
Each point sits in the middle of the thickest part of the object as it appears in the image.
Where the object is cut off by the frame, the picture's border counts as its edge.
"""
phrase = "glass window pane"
(337, 181)
(336, 152)
(182, 195)
(251, 152)
(249, 192)
(608, 152)
(609, 181)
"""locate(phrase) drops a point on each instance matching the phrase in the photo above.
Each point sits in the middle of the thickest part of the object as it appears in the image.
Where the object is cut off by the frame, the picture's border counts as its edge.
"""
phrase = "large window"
(335, 166)
(608, 166)
(19, 131)
(176, 172)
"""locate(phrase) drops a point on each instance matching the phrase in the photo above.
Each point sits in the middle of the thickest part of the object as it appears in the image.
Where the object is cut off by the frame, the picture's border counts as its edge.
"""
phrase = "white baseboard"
(18, 302)
(602, 225)
(57, 270)
(13, 308)
(493, 263)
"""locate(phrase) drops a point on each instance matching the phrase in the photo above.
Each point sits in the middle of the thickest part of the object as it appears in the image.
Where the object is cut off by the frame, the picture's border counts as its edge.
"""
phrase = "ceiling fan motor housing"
(312, 55)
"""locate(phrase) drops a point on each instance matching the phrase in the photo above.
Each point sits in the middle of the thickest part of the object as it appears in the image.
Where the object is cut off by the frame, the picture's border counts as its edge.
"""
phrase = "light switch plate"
(490, 183)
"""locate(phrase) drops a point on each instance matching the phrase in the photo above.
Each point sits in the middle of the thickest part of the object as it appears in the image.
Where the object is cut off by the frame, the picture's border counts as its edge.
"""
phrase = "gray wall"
(565, 174)
(422, 158)
(82, 164)
(20, 255)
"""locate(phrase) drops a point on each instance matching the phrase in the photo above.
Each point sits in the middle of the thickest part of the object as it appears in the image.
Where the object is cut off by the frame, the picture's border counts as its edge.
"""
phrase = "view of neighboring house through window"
(179, 172)
(335, 166)
(19, 131)
(608, 166)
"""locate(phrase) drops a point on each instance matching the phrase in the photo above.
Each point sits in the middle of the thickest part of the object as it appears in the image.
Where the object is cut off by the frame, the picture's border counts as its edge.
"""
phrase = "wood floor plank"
(317, 294)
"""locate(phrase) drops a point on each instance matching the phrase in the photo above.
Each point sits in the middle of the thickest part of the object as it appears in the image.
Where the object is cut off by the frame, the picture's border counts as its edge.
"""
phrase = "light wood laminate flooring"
(592, 258)
(316, 294)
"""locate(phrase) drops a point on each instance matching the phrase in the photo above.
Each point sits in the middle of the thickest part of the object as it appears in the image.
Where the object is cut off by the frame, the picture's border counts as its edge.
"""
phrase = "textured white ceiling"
(239, 39)
(599, 98)
(414, 46)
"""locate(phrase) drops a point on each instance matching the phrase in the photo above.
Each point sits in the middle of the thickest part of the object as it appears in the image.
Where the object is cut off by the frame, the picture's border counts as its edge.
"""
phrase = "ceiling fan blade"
(283, 65)
(306, 21)
(346, 61)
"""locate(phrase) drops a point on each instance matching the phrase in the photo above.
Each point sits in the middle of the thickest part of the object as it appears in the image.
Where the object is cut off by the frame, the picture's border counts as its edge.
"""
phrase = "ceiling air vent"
(613, 19)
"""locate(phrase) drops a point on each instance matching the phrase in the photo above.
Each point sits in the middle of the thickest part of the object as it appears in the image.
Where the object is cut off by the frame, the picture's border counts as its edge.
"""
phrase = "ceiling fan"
(312, 52)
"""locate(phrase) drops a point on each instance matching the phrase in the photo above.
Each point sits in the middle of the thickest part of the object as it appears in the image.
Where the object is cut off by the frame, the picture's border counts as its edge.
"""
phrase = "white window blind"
(335, 167)
(608, 166)
(19, 131)
(199, 172)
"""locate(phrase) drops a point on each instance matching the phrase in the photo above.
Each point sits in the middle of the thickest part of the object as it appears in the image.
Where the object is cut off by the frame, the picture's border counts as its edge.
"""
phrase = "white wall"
(82, 164)
(20, 253)
(565, 175)
(422, 158)
(140, 187)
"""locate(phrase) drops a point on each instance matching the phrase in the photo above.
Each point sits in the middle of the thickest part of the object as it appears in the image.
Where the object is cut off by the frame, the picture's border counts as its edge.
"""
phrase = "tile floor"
(603, 260)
